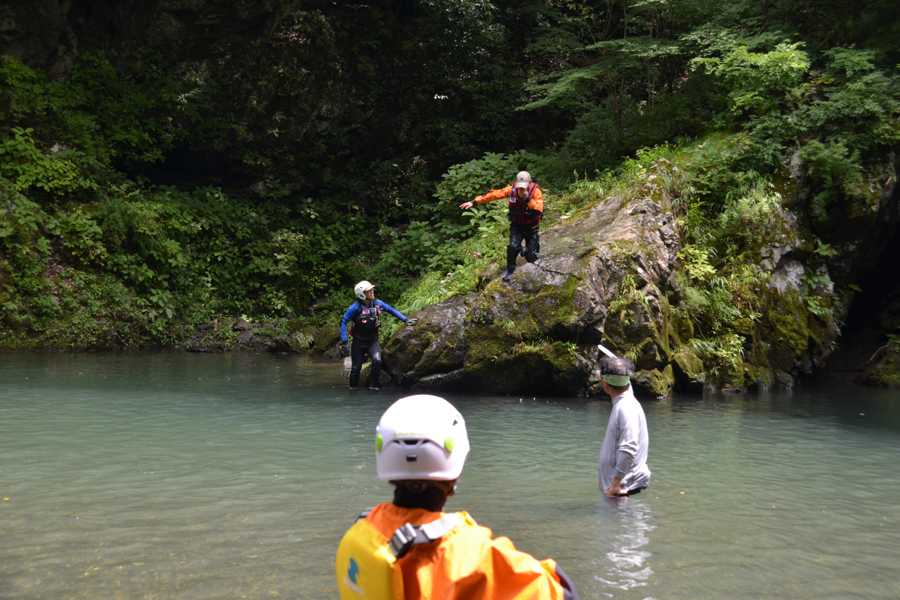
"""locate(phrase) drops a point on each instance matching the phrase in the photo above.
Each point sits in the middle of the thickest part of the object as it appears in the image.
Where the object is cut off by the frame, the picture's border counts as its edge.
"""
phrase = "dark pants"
(532, 238)
(358, 349)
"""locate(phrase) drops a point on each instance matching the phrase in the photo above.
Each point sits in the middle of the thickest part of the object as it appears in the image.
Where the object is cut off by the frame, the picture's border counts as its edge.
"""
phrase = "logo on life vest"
(350, 580)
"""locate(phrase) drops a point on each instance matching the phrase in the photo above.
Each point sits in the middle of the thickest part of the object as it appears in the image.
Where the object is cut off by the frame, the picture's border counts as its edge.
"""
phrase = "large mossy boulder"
(688, 372)
(603, 276)
(610, 273)
(328, 341)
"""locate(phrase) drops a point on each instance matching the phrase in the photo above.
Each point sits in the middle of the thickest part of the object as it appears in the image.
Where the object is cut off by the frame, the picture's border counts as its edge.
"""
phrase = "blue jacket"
(351, 313)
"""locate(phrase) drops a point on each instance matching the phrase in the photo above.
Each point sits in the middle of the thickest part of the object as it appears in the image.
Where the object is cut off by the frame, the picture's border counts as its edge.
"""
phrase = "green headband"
(618, 381)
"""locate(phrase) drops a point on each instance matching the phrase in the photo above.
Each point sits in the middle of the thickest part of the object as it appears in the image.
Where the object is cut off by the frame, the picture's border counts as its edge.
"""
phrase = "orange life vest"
(519, 213)
(463, 563)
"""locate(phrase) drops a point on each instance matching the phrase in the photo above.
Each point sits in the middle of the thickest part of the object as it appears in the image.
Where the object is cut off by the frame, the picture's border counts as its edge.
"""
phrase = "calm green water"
(172, 475)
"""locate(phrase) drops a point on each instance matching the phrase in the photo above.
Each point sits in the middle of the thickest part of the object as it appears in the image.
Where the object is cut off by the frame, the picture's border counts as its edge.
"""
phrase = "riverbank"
(161, 172)
(741, 297)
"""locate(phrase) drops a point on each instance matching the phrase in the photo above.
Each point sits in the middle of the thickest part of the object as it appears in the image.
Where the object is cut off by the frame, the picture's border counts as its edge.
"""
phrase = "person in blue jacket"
(365, 314)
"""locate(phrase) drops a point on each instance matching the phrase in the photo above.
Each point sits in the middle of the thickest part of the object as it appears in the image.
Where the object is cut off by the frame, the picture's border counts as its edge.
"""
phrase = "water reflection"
(622, 527)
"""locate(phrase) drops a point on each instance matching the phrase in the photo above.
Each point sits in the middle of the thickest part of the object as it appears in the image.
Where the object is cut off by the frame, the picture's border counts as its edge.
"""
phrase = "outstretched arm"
(392, 310)
(489, 197)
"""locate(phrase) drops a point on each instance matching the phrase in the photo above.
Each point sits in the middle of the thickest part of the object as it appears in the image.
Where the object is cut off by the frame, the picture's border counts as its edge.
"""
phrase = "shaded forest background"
(163, 165)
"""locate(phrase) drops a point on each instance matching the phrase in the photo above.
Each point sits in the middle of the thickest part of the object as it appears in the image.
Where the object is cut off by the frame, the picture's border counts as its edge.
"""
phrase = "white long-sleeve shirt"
(625, 445)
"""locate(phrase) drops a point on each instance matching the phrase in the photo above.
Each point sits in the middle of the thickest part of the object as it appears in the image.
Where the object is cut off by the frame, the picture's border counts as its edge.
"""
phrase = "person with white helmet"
(410, 548)
(526, 209)
(365, 314)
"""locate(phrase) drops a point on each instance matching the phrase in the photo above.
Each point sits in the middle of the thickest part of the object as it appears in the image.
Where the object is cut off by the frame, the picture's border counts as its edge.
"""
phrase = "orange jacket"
(466, 563)
(536, 203)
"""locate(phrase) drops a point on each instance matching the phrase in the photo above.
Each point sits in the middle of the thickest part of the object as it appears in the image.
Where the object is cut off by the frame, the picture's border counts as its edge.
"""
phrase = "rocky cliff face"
(539, 333)
(611, 274)
(38, 32)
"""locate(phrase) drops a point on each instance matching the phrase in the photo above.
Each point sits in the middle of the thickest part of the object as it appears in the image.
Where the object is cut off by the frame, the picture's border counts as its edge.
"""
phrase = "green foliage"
(465, 181)
(723, 353)
(103, 116)
(627, 296)
(59, 172)
(757, 83)
(839, 172)
(80, 235)
(854, 98)
(750, 214)
(838, 116)
(422, 247)
(20, 223)
(894, 342)
(696, 262)
(296, 170)
(817, 295)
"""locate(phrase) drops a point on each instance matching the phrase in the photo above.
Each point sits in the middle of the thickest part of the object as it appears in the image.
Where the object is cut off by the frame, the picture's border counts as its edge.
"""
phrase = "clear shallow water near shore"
(173, 475)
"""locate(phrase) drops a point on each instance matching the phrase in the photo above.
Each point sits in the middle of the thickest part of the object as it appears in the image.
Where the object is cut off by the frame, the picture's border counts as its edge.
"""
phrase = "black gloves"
(345, 348)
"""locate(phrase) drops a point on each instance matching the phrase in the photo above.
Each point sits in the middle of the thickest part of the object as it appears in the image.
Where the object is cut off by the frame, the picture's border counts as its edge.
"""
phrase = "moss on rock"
(655, 382)
(328, 338)
(688, 371)
(786, 328)
(886, 373)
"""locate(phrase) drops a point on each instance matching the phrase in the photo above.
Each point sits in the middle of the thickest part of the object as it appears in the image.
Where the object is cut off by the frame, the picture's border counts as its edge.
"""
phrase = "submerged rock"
(295, 342)
(214, 348)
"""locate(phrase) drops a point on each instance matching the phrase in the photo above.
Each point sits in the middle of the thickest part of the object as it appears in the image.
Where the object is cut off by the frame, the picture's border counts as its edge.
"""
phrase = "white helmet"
(361, 288)
(421, 437)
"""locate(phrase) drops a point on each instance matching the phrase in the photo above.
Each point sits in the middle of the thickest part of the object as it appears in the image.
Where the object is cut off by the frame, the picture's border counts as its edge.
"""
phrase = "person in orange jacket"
(410, 549)
(526, 208)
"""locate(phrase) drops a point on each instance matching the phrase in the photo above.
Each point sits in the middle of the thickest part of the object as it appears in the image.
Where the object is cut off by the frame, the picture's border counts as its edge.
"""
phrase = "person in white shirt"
(623, 467)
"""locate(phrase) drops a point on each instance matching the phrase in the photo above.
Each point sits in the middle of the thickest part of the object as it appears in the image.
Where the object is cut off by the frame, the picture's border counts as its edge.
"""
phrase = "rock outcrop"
(604, 275)
(38, 32)
(256, 337)
(611, 273)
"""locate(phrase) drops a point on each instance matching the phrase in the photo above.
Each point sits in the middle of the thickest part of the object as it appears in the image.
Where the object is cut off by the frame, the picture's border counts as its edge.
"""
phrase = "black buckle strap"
(404, 539)
(409, 535)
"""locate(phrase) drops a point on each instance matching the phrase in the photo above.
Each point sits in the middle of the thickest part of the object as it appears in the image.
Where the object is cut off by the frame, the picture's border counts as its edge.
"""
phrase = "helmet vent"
(410, 442)
(410, 458)
(455, 422)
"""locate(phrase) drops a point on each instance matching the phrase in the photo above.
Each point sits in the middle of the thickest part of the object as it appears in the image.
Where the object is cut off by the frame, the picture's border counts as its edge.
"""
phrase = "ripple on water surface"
(169, 475)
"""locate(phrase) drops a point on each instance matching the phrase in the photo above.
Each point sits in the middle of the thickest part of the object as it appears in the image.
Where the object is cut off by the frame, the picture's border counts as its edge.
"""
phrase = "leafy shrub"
(750, 213)
(465, 181)
(26, 166)
(837, 170)
(758, 83)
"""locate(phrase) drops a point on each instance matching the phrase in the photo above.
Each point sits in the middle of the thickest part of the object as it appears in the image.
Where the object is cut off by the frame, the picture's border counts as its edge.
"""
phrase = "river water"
(174, 475)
